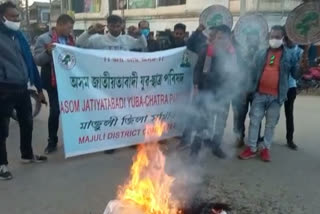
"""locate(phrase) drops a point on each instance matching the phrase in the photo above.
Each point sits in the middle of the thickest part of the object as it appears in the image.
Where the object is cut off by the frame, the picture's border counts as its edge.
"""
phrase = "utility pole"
(27, 14)
(243, 7)
(50, 14)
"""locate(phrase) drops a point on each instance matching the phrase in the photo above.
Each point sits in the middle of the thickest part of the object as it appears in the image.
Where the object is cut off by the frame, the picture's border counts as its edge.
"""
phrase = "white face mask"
(275, 43)
(11, 25)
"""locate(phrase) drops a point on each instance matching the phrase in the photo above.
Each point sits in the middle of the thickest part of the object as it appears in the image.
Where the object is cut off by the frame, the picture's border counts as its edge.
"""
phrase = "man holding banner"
(43, 57)
(114, 40)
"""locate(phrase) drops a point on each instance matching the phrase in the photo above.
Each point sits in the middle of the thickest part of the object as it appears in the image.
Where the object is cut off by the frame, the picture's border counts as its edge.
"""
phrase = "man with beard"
(177, 39)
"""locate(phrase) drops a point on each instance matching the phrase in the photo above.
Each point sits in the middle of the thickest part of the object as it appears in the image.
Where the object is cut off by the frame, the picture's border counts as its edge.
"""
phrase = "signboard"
(107, 98)
(216, 15)
(303, 23)
(251, 24)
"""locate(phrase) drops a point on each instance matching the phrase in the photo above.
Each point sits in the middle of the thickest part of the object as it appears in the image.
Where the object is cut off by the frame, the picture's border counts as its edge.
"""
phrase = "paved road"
(84, 185)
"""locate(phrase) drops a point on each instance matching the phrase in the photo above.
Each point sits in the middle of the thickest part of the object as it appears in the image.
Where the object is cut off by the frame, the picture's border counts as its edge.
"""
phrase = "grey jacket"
(13, 69)
(43, 59)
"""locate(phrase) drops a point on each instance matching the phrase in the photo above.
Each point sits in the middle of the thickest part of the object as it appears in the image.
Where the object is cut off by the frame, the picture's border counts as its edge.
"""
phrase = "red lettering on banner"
(69, 106)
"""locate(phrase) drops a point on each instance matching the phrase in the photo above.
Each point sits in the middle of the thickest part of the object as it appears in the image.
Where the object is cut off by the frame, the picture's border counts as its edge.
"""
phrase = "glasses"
(272, 58)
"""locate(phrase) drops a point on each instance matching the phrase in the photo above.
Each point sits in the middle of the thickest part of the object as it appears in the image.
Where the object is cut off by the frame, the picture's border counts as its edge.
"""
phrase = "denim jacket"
(288, 65)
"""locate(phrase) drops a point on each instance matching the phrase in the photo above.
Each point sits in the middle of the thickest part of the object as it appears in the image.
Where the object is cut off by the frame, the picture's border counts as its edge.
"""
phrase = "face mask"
(275, 43)
(145, 32)
(11, 25)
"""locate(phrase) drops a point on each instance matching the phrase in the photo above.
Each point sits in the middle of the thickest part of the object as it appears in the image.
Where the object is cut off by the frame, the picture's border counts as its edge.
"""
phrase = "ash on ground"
(242, 201)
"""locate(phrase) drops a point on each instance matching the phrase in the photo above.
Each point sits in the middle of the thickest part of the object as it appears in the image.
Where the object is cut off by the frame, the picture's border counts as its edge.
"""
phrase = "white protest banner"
(108, 97)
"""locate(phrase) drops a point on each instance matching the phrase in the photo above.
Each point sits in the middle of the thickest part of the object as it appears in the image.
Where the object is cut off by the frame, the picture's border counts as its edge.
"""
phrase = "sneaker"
(247, 154)
(218, 152)
(265, 155)
(4, 173)
(50, 149)
(35, 159)
(292, 145)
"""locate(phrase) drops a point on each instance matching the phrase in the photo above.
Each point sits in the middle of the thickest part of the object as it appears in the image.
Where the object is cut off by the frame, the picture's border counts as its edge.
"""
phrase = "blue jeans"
(268, 106)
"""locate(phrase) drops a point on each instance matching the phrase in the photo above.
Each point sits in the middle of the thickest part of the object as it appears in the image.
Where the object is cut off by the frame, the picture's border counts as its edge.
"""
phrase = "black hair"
(224, 29)
(279, 28)
(65, 19)
(114, 19)
(4, 6)
(139, 24)
(180, 26)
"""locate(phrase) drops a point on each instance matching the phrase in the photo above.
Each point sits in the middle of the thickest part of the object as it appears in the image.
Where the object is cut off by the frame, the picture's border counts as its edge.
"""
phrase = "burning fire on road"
(148, 190)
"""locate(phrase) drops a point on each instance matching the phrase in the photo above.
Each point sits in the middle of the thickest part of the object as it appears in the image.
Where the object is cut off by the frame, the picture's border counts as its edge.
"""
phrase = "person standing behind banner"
(153, 45)
(114, 40)
(17, 68)
(43, 57)
(292, 93)
(177, 39)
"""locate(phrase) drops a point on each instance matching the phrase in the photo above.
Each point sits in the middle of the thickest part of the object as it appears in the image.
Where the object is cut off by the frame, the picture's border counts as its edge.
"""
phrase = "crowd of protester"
(251, 78)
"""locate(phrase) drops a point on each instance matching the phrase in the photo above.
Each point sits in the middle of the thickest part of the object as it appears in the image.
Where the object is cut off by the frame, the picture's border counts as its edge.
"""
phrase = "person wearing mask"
(273, 66)
(215, 76)
(296, 51)
(144, 28)
(114, 40)
(17, 68)
(177, 38)
(60, 34)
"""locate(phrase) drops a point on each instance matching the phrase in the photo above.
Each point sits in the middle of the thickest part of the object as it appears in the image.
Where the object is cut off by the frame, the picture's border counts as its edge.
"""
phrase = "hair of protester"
(224, 29)
(4, 6)
(65, 19)
(279, 28)
(114, 19)
(142, 21)
(180, 26)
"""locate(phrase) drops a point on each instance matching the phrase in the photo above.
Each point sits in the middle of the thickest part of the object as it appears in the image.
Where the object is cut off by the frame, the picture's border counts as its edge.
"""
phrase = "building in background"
(163, 14)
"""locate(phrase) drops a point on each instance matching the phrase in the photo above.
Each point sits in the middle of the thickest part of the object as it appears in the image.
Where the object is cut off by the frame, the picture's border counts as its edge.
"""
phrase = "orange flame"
(149, 185)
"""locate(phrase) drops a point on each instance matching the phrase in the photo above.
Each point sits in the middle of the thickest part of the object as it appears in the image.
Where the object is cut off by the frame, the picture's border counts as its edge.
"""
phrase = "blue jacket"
(288, 65)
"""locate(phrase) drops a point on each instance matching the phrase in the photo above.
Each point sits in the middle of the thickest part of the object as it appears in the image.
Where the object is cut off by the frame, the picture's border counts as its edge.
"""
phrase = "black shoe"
(240, 143)
(208, 143)
(50, 149)
(292, 145)
(218, 152)
(5, 174)
(35, 159)
(109, 152)
(196, 146)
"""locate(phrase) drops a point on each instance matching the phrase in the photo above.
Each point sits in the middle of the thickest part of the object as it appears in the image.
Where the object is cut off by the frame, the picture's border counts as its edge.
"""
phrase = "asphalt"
(84, 185)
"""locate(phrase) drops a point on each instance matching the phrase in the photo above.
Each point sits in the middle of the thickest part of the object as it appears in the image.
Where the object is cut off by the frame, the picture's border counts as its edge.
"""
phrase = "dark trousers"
(240, 107)
(212, 116)
(288, 108)
(20, 101)
(53, 121)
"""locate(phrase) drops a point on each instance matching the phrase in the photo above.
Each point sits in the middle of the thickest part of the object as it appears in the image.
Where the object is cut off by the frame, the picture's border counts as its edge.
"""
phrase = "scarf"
(211, 52)
(33, 72)
(55, 39)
